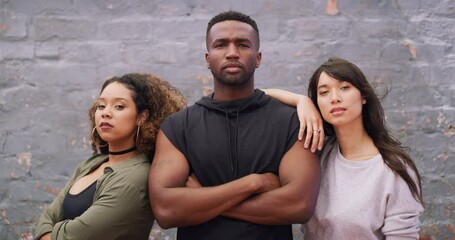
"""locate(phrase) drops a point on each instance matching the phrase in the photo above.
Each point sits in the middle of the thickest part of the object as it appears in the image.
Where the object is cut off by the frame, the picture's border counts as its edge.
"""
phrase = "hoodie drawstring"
(236, 143)
(234, 163)
(229, 139)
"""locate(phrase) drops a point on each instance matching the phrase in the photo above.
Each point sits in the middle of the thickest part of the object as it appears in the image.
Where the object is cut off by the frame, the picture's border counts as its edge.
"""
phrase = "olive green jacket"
(120, 208)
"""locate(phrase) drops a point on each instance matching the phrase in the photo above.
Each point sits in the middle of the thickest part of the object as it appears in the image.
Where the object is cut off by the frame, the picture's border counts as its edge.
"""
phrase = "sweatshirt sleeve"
(402, 213)
(54, 212)
(107, 217)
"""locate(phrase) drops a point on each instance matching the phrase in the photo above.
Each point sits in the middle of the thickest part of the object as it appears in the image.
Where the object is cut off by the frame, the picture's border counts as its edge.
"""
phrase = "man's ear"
(258, 59)
(207, 60)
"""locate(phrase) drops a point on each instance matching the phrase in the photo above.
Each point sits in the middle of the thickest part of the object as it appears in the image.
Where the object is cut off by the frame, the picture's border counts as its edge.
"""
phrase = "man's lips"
(232, 65)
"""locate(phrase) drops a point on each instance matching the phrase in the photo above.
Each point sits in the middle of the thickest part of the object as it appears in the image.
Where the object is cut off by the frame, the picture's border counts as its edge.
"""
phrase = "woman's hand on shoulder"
(311, 121)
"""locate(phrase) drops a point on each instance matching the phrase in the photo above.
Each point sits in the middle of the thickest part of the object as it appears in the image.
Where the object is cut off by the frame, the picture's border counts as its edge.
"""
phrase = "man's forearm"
(183, 206)
(295, 201)
(275, 207)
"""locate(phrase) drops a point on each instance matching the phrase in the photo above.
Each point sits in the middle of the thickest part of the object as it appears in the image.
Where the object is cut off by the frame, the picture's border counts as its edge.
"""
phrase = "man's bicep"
(169, 167)
(300, 168)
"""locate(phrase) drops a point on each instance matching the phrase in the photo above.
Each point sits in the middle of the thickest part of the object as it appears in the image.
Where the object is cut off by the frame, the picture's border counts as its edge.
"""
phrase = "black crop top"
(75, 205)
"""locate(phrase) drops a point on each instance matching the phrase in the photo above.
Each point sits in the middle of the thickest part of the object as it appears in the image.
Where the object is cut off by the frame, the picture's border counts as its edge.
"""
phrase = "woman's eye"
(323, 92)
(100, 107)
(119, 107)
(344, 87)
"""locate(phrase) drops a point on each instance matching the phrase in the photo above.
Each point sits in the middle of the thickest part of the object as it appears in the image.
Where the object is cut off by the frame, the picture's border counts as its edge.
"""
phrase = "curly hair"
(149, 93)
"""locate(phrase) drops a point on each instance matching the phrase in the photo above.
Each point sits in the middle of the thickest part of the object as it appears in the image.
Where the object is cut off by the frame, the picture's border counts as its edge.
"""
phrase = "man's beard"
(233, 79)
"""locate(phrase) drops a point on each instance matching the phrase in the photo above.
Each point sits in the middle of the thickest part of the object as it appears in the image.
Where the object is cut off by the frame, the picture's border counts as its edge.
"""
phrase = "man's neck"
(230, 93)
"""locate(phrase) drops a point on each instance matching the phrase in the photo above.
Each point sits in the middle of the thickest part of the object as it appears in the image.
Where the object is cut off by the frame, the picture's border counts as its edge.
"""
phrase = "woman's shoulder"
(330, 144)
(95, 159)
(133, 173)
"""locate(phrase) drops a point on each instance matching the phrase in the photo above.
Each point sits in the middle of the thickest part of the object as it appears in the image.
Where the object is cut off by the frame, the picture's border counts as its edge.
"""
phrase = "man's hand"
(268, 181)
(193, 182)
(265, 182)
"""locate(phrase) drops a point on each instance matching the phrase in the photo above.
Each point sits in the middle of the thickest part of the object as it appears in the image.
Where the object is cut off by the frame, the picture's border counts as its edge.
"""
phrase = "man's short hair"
(234, 16)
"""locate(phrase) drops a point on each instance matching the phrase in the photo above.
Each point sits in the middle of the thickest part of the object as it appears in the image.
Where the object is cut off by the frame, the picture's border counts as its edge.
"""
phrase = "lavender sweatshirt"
(362, 200)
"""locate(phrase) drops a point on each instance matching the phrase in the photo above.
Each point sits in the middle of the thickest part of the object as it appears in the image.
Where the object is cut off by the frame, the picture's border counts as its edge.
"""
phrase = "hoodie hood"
(233, 109)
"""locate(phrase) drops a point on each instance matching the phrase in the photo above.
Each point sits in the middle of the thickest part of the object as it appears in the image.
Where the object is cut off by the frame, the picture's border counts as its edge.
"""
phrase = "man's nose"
(232, 51)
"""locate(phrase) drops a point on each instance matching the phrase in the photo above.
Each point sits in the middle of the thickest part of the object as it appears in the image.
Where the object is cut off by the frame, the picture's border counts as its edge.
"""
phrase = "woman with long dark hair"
(370, 187)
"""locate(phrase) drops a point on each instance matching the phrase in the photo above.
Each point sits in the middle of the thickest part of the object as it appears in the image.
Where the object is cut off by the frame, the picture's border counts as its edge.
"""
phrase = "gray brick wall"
(55, 54)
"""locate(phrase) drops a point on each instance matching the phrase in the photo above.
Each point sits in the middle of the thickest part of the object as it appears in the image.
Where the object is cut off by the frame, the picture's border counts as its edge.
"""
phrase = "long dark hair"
(393, 153)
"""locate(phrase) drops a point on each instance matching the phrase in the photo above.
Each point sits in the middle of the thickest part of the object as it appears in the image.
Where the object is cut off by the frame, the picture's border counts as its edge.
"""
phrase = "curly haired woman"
(107, 196)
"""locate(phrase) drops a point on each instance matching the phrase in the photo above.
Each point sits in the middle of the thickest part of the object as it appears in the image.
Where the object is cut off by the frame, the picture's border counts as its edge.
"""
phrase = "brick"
(16, 72)
(396, 53)
(13, 26)
(316, 29)
(269, 29)
(36, 7)
(437, 31)
(103, 7)
(64, 76)
(187, 74)
(182, 29)
(369, 9)
(48, 49)
(367, 53)
(419, 96)
(443, 74)
(410, 7)
(441, 9)
(422, 120)
(431, 53)
(414, 75)
(124, 30)
(378, 28)
(52, 144)
(94, 52)
(427, 150)
(161, 53)
(270, 73)
(163, 8)
(108, 69)
(288, 52)
(65, 28)
(1, 53)
(18, 50)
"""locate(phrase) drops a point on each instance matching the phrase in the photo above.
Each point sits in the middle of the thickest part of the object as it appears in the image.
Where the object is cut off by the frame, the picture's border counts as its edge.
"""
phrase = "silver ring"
(317, 130)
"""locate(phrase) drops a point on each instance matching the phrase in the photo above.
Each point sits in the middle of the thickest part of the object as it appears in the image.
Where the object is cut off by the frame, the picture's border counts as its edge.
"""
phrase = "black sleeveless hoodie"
(226, 140)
